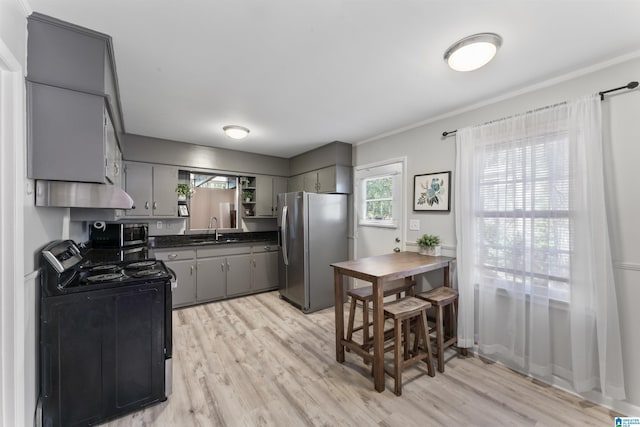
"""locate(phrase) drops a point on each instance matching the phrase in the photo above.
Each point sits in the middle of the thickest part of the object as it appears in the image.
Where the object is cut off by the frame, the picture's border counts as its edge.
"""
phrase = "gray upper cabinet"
(264, 192)
(267, 190)
(310, 182)
(68, 56)
(153, 189)
(332, 179)
(295, 183)
(114, 167)
(70, 136)
(138, 183)
(326, 169)
(280, 185)
(165, 198)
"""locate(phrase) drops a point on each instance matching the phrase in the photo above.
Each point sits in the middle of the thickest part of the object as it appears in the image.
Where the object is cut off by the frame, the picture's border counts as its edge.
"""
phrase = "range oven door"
(102, 353)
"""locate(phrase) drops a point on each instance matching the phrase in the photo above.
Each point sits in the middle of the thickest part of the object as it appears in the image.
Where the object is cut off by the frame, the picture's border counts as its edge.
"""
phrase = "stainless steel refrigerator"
(313, 234)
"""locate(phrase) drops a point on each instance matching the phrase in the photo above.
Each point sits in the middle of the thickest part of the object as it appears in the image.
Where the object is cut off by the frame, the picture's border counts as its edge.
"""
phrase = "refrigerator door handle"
(285, 235)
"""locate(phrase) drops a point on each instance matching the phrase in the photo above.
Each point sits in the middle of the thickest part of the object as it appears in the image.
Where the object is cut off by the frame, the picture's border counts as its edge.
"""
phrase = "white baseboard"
(623, 407)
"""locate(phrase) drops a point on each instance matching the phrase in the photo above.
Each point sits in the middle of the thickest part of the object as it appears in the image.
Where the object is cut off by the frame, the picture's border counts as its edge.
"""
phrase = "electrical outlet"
(159, 225)
(414, 224)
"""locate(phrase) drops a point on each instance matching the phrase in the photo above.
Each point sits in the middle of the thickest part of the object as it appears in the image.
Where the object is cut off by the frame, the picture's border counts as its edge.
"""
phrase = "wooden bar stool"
(441, 298)
(365, 295)
(403, 311)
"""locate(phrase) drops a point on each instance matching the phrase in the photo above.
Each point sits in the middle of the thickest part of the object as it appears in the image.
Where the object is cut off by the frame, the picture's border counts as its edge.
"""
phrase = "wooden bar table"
(377, 270)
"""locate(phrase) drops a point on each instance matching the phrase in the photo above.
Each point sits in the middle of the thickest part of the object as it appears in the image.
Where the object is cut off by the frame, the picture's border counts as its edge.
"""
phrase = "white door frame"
(403, 202)
(12, 165)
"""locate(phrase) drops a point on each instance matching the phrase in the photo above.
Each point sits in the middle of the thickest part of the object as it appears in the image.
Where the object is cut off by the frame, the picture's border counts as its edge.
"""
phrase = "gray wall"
(427, 151)
(164, 151)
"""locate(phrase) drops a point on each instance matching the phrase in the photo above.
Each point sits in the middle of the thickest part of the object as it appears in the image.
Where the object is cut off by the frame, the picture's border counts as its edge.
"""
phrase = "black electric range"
(105, 335)
(88, 276)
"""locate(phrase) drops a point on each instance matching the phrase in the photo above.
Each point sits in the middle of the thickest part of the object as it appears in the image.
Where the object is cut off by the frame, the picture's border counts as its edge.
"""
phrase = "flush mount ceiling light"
(472, 52)
(236, 132)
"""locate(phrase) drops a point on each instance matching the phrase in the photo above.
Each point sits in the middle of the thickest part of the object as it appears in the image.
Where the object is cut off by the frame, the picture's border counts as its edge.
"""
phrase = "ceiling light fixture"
(236, 132)
(472, 52)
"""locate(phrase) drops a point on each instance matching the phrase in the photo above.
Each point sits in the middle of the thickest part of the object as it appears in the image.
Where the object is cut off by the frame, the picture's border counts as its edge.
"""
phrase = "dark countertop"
(195, 240)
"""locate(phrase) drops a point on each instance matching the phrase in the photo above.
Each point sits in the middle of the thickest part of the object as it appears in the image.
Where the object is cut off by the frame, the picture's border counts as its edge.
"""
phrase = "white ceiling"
(302, 73)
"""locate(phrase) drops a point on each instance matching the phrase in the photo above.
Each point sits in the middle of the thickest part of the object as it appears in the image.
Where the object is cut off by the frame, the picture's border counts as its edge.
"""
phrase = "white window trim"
(392, 170)
(360, 172)
(361, 201)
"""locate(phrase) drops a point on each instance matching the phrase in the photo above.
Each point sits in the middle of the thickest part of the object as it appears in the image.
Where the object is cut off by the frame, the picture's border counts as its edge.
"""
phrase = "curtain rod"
(630, 85)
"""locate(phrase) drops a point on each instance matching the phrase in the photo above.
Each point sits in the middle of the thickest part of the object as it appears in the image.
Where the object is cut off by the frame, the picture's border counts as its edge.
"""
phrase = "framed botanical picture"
(432, 192)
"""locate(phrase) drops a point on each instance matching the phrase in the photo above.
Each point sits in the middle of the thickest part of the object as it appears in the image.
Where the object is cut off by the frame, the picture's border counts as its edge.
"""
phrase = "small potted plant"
(183, 191)
(429, 245)
(247, 196)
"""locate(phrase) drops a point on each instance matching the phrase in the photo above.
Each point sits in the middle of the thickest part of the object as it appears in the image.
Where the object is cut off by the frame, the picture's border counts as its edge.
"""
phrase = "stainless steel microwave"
(114, 235)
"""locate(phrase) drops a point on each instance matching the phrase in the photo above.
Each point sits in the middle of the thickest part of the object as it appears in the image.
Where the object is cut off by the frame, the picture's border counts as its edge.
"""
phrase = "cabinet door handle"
(116, 169)
(155, 205)
(222, 266)
(172, 256)
(192, 270)
(146, 205)
(228, 267)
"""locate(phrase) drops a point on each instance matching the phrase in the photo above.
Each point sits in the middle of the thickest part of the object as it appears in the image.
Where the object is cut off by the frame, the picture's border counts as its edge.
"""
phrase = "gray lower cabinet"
(183, 264)
(212, 278)
(226, 271)
(210, 273)
(220, 277)
(153, 189)
(265, 271)
(238, 274)
(185, 292)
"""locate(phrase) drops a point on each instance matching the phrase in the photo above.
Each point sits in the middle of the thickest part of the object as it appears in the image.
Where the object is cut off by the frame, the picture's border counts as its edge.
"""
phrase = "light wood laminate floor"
(257, 361)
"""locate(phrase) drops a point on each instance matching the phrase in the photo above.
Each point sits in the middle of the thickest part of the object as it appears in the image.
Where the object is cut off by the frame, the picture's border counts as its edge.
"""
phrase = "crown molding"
(532, 88)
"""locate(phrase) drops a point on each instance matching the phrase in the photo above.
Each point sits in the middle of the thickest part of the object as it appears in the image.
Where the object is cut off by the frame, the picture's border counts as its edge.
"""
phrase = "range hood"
(64, 194)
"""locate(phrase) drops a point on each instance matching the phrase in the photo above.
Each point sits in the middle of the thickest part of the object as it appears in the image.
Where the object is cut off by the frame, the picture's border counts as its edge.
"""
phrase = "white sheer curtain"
(534, 266)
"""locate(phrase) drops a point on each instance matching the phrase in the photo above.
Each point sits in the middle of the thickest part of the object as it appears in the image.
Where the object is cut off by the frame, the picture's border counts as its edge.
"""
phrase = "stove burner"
(140, 264)
(148, 273)
(104, 268)
(104, 277)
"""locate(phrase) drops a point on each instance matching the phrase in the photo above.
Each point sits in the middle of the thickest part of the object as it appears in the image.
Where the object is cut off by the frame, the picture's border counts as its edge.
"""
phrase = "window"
(523, 220)
(379, 198)
(213, 181)
(379, 195)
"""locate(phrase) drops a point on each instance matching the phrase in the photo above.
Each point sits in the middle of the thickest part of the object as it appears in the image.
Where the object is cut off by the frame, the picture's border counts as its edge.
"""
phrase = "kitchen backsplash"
(166, 227)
